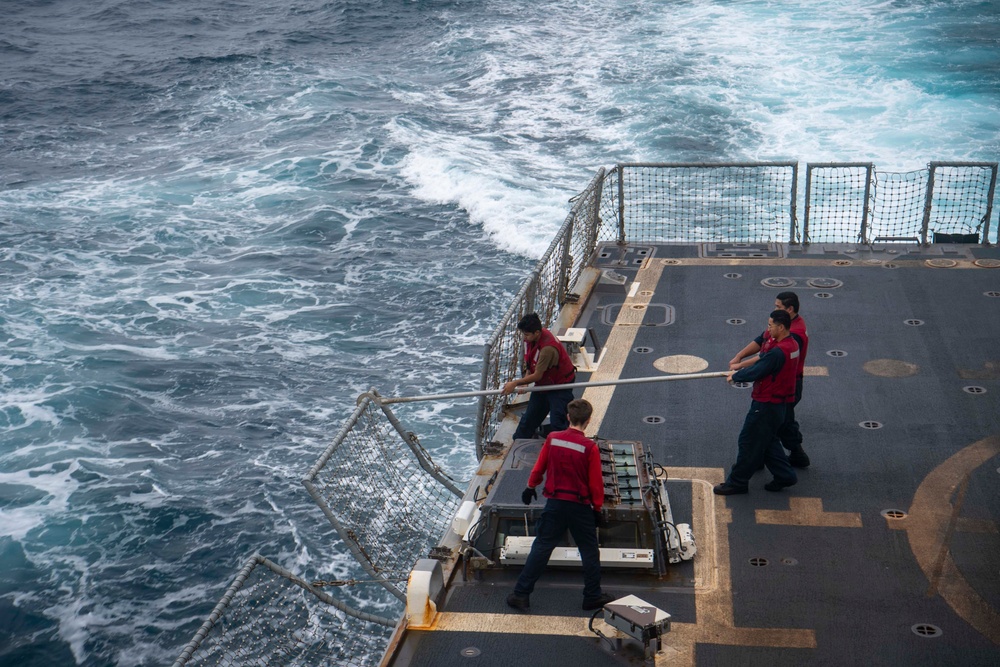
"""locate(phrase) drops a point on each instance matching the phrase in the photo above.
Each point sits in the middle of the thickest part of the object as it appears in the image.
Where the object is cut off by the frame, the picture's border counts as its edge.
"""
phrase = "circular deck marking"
(669, 262)
(926, 630)
(470, 652)
(873, 261)
(871, 425)
(777, 282)
(890, 368)
(992, 294)
(893, 514)
(890, 265)
(824, 283)
(988, 263)
(789, 561)
(823, 295)
(941, 263)
(974, 390)
(646, 292)
(931, 513)
(642, 350)
(653, 419)
(680, 363)
(843, 262)
(913, 323)
(733, 276)
(740, 385)
(736, 321)
(757, 561)
(837, 353)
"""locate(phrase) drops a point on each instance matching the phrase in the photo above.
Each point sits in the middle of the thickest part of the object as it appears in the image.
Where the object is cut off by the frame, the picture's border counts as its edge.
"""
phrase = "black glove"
(599, 519)
(527, 495)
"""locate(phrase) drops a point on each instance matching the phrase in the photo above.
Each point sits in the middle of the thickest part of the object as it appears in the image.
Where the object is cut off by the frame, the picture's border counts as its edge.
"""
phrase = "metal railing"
(388, 511)
(750, 202)
(852, 202)
(544, 292)
(270, 616)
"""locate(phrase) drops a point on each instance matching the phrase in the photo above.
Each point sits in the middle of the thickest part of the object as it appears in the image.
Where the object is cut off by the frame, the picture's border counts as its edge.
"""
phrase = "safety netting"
(383, 494)
(961, 201)
(270, 616)
(837, 200)
(725, 202)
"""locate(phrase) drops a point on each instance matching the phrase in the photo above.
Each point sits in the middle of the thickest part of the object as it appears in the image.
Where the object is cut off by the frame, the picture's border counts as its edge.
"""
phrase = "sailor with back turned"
(574, 487)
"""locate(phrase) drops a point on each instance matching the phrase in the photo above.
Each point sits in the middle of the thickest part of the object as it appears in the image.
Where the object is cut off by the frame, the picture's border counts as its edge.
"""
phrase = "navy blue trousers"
(789, 433)
(541, 404)
(759, 443)
(556, 518)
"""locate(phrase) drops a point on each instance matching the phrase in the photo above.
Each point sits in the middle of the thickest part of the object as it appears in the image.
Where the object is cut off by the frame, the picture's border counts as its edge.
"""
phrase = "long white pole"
(553, 387)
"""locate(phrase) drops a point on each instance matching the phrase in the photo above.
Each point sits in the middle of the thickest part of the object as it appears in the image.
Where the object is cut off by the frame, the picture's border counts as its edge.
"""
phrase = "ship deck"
(884, 553)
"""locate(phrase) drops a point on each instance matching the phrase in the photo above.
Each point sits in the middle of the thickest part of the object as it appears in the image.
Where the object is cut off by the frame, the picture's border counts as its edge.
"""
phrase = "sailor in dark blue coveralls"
(773, 376)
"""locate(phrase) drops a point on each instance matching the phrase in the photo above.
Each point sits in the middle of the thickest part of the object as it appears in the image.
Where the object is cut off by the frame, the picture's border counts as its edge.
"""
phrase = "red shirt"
(562, 373)
(571, 463)
(798, 328)
(777, 387)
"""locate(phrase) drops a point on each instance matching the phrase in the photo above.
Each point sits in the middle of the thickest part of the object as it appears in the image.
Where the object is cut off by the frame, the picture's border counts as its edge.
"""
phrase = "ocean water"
(220, 221)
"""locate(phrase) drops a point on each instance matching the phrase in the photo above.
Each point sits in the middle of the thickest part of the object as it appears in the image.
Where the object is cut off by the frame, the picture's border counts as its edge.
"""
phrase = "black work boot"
(519, 602)
(598, 602)
(797, 457)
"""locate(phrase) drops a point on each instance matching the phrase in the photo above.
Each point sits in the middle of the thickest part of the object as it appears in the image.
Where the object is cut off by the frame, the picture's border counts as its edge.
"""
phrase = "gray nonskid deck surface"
(858, 587)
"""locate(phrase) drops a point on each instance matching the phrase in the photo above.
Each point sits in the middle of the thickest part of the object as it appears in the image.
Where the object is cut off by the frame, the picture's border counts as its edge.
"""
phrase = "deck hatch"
(741, 250)
(651, 315)
(777, 281)
(824, 283)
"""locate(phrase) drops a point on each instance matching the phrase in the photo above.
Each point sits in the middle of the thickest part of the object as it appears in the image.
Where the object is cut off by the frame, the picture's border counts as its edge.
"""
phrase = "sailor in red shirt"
(773, 377)
(789, 433)
(574, 486)
(547, 363)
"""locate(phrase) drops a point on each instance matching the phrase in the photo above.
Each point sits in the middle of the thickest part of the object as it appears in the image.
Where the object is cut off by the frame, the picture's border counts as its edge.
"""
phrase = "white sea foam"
(268, 243)
(56, 482)
(518, 220)
(820, 81)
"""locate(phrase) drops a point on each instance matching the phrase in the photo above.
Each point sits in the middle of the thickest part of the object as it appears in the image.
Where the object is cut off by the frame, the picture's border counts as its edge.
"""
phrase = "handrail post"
(481, 412)
(865, 207)
(928, 200)
(989, 204)
(564, 272)
(808, 204)
(621, 204)
(593, 228)
(795, 194)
